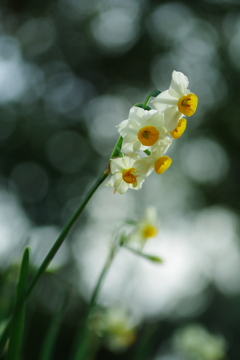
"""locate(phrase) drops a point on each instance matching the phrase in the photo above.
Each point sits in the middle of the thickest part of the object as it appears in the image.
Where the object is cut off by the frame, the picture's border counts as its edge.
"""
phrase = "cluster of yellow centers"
(187, 105)
(148, 135)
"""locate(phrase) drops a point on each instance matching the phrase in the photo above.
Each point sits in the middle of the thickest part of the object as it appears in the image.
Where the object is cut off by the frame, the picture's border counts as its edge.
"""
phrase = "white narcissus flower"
(176, 101)
(156, 160)
(146, 228)
(142, 129)
(126, 174)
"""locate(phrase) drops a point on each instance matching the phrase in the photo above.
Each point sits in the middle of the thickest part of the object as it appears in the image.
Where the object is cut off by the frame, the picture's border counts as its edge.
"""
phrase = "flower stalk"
(62, 236)
(80, 347)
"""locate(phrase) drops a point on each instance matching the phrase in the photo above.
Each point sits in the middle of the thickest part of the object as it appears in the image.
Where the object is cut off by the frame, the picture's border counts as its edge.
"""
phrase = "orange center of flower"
(182, 124)
(129, 176)
(150, 231)
(162, 164)
(187, 105)
(148, 135)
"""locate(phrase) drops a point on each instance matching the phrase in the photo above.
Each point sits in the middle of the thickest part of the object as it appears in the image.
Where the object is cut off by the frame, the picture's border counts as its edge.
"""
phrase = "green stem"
(72, 221)
(52, 253)
(147, 100)
(59, 241)
(64, 233)
(117, 148)
(80, 348)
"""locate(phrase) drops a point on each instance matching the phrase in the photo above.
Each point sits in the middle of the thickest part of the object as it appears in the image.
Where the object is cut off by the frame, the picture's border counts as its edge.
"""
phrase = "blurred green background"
(69, 72)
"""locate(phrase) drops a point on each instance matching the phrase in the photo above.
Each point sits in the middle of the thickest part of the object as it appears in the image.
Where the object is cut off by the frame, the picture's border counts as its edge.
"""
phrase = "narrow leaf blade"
(145, 256)
(51, 336)
(155, 93)
(17, 325)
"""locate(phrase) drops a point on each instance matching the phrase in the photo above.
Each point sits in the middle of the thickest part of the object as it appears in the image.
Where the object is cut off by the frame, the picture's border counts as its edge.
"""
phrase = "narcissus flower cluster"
(151, 131)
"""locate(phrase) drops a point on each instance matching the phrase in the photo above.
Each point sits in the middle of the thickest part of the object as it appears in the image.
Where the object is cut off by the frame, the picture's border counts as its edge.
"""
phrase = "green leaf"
(141, 105)
(146, 256)
(155, 93)
(51, 336)
(154, 258)
(147, 108)
(17, 325)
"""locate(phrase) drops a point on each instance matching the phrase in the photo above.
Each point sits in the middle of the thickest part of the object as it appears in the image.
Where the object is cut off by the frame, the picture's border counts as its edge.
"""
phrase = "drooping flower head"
(126, 173)
(176, 101)
(142, 129)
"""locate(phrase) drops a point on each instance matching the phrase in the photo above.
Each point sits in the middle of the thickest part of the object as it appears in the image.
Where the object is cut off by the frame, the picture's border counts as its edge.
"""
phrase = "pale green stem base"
(80, 347)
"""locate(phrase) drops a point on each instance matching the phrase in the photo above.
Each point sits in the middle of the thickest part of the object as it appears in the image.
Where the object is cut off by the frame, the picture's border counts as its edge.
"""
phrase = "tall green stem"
(59, 242)
(80, 347)
(64, 233)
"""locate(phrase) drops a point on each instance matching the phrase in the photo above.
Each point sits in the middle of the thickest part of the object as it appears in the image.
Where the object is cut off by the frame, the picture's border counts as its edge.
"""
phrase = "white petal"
(148, 114)
(136, 113)
(157, 120)
(143, 165)
(130, 159)
(129, 147)
(123, 187)
(131, 135)
(117, 165)
(151, 215)
(122, 127)
(135, 124)
(137, 146)
(118, 181)
(179, 84)
(172, 115)
(110, 182)
(161, 147)
(140, 181)
(164, 100)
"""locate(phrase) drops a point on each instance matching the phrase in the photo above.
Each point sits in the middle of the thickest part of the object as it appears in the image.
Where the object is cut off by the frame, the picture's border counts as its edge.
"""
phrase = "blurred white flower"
(146, 228)
(115, 326)
(126, 173)
(176, 101)
(142, 129)
(194, 341)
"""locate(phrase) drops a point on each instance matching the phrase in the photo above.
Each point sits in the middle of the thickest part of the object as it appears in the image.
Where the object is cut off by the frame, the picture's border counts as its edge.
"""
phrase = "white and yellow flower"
(115, 326)
(146, 228)
(126, 173)
(142, 129)
(176, 101)
(156, 161)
